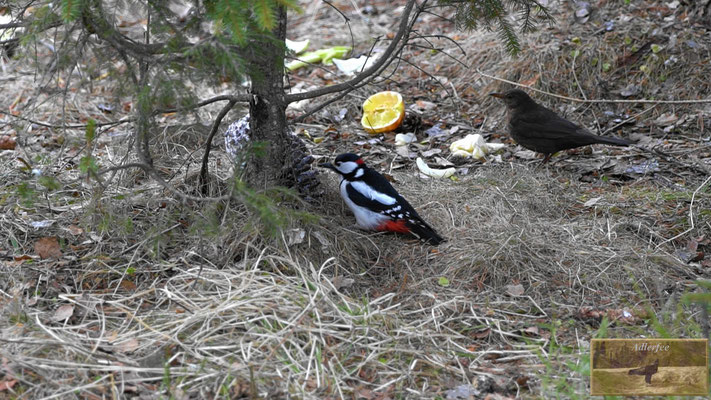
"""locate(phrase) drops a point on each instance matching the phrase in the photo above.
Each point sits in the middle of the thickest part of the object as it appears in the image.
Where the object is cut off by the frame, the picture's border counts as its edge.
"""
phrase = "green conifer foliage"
(495, 14)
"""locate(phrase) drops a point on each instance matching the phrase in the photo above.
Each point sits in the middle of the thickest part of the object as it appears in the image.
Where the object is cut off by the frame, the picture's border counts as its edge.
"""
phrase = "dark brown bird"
(539, 129)
(647, 371)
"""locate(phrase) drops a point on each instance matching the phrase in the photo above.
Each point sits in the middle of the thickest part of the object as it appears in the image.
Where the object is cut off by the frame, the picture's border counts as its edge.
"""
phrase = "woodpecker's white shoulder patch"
(368, 192)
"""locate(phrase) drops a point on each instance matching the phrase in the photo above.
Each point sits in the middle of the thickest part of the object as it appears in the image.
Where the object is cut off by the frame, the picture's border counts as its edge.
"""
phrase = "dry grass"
(195, 301)
(606, 63)
(365, 313)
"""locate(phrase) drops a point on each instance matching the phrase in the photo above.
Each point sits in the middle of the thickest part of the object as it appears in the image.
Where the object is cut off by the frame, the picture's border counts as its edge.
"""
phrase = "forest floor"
(121, 289)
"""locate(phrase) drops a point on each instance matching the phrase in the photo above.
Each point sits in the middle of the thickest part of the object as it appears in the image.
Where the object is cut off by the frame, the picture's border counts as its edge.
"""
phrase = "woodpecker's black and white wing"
(384, 208)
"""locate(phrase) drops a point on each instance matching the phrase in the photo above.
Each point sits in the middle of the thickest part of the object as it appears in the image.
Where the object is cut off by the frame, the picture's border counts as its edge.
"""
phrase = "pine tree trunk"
(268, 108)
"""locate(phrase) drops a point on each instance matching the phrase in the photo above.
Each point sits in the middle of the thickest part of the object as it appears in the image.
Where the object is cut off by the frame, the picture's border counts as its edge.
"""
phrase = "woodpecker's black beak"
(328, 165)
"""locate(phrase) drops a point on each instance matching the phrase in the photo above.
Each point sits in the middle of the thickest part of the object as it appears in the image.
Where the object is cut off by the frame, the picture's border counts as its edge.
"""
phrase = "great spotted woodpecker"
(376, 204)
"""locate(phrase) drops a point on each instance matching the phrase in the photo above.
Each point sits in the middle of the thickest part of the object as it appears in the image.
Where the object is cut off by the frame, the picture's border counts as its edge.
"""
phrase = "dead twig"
(240, 98)
(202, 184)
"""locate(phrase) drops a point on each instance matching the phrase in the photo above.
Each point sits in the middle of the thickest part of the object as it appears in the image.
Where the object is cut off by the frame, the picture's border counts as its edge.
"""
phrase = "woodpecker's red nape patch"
(360, 161)
(394, 226)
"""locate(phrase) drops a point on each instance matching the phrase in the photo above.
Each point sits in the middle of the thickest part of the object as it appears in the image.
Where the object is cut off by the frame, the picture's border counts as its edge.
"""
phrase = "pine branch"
(264, 11)
(71, 9)
(493, 15)
(508, 36)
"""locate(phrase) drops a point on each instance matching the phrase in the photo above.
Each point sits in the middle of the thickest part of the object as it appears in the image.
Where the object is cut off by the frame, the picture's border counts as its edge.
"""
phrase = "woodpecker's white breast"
(365, 218)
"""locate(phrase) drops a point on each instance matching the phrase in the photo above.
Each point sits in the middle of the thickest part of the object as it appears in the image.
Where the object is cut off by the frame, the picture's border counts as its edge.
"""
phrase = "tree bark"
(267, 107)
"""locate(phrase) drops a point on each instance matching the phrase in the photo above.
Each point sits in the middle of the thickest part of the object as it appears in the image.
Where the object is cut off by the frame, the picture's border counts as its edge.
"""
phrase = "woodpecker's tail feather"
(425, 232)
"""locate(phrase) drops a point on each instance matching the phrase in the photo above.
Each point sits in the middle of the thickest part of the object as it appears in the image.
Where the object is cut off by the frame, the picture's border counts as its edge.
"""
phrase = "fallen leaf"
(321, 239)
(403, 151)
(127, 346)
(630, 90)
(431, 152)
(5, 385)
(526, 154)
(364, 393)
(666, 119)
(178, 393)
(615, 315)
(7, 142)
(425, 105)
(123, 23)
(437, 131)
(340, 282)
(443, 162)
(532, 330)
(645, 167)
(463, 392)
(127, 285)
(688, 256)
(582, 12)
(522, 380)
(48, 247)
(592, 202)
(75, 230)
(514, 290)
(63, 313)
(295, 236)
(483, 334)
(692, 245)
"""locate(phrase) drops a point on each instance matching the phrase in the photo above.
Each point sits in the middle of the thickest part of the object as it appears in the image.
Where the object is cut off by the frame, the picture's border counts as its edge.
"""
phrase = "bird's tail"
(613, 141)
(425, 232)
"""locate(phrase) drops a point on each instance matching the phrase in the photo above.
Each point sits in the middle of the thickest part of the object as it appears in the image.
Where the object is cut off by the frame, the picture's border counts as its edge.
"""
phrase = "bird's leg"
(547, 158)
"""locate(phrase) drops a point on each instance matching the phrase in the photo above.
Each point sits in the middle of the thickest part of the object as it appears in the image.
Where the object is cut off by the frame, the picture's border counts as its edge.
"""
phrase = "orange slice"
(383, 112)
